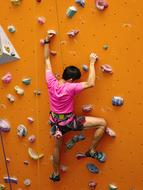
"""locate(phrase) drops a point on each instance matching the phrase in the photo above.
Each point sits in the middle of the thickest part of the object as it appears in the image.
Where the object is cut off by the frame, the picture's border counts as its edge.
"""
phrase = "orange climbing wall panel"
(119, 27)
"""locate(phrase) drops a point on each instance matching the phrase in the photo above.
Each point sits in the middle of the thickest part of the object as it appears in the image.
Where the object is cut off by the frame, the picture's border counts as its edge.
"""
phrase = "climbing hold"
(63, 168)
(27, 182)
(112, 187)
(2, 187)
(105, 46)
(106, 68)
(37, 92)
(16, 2)
(42, 42)
(71, 11)
(26, 81)
(87, 108)
(74, 140)
(6, 49)
(117, 101)
(38, 1)
(80, 156)
(58, 134)
(72, 33)
(10, 179)
(51, 32)
(21, 130)
(32, 139)
(7, 78)
(85, 67)
(34, 155)
(19, 90)
(41, 20)
(80, 2)
(26, 162)
(11, 98)
(11, 29)
(92, 185)
(53, 52)
(8, 160)
(110, 132)
(101, 4)
(4, 125)
(30, 119)
(92, 168)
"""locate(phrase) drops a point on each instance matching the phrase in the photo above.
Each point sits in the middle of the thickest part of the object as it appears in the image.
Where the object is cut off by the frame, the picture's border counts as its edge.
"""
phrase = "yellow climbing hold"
(16, 2)
(34, 155)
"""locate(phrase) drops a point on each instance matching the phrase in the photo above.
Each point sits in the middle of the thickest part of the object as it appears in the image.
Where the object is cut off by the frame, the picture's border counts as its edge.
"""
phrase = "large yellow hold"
(34, 155)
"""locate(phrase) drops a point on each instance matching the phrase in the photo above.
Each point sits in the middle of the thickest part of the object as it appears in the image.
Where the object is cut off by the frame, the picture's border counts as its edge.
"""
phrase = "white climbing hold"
(53, 52)
(87, 108)
(34, 155)
(27, 182)
(11, 29)
(112, 187)
(110, 132)
(73, 33)
(63, 168)
(19, 90)
(7, 51)
(30, 120)
(51, 33)
(32, 138)
(80, 2)
(106, 68)
(4, 125)
(71, 11)
(21, 130)
(10, 179)
(7, 78)
(41, 20)
(11, 98)
(85, 67)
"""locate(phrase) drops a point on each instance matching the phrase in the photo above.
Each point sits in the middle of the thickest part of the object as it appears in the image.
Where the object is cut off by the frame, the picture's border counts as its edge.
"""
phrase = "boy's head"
(71, 72)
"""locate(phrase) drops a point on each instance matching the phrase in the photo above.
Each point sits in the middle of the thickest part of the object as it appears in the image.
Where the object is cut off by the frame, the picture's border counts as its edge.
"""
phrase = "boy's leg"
(99, 124)
(56, 156)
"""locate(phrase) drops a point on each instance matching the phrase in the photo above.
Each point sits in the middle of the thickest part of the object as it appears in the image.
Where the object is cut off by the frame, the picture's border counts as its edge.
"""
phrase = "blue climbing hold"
(92, 168)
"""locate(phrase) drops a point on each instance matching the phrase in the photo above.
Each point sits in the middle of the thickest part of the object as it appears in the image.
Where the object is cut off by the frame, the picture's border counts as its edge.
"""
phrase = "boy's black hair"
(71, 72)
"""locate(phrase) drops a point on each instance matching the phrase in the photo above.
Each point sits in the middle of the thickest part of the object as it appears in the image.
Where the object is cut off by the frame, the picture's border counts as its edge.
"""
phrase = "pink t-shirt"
(61, 95)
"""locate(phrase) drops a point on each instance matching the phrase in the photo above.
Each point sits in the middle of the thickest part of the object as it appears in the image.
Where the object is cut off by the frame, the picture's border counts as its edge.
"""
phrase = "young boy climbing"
(62, 117)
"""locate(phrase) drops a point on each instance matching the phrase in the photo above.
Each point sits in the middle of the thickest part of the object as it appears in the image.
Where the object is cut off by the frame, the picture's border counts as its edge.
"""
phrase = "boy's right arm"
(91, 77)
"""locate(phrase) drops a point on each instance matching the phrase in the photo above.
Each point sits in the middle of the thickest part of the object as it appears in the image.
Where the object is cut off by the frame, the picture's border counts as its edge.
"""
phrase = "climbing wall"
(119, 27)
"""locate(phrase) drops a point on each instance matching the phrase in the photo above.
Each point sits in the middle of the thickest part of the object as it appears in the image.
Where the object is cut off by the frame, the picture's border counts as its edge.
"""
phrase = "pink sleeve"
(50, 78)
(76, 88)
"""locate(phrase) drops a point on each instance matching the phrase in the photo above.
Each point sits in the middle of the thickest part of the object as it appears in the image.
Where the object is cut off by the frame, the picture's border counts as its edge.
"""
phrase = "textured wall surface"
(120, 27)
